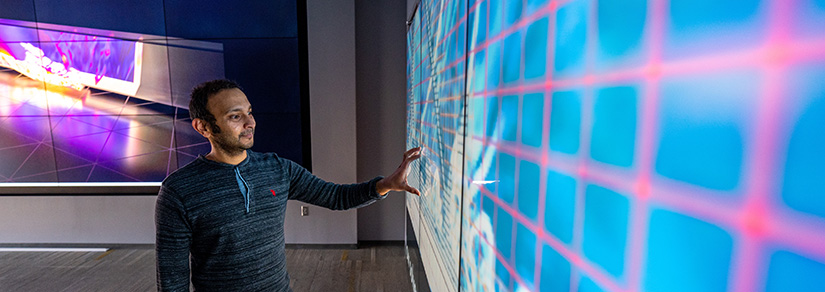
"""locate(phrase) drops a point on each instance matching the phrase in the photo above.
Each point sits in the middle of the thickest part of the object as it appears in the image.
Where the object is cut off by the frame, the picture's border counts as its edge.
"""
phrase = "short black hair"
(200, 97)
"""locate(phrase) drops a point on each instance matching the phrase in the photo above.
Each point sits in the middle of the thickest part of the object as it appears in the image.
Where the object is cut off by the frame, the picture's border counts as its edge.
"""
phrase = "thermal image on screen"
(583, 145)
(81, 106)
(69, 59)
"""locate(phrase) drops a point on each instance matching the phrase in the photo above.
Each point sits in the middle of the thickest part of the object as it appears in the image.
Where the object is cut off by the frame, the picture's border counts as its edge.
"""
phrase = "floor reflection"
(53, 134)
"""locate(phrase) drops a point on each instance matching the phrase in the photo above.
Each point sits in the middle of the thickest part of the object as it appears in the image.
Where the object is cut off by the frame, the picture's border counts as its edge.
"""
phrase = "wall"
(86, 219)
(411, 4)
(380, 91)
(331, 41)
(369, 85)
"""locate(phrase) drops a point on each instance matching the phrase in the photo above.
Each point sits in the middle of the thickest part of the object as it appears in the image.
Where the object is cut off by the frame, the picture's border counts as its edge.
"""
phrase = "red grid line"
(757, 208)
(582, 172)
(639, 220)
(545, 138)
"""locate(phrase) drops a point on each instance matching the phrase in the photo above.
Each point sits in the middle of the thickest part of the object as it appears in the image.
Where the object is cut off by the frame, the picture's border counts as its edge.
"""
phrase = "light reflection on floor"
(94, 137)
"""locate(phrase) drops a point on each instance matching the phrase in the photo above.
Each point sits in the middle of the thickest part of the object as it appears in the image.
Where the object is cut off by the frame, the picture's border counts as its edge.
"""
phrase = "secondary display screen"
(75, 110)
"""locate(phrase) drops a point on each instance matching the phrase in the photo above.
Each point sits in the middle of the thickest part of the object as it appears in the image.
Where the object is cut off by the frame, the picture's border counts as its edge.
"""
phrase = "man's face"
(233, 115)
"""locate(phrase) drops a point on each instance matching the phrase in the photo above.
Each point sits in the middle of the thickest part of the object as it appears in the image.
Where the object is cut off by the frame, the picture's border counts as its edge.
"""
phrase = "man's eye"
(235, 117)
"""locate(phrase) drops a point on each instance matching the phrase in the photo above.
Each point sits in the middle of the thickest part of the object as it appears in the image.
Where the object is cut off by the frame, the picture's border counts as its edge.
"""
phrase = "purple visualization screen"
(90, 107)
(619, 145)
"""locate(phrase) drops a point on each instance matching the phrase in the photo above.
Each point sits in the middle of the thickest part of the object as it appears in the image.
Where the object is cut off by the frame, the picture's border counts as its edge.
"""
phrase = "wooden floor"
(371, 268)
(377, 268)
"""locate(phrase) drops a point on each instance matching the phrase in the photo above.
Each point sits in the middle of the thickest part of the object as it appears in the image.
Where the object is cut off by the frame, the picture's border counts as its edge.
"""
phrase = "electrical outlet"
(304, 211)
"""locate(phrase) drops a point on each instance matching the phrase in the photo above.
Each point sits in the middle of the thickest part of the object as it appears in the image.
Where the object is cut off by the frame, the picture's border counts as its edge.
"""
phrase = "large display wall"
(583, 145)
(96, 94)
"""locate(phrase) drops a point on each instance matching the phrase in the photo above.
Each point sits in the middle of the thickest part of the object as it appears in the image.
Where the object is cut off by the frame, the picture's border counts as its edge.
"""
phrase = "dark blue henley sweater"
(230, 218)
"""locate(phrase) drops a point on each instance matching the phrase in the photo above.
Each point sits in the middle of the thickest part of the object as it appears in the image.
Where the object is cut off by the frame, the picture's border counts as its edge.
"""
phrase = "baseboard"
(78, 245)
(320, 246)
(360, 244)
(375, 243)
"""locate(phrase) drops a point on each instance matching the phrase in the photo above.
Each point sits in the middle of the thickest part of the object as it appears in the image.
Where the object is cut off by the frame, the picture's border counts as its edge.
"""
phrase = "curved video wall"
(585, 145)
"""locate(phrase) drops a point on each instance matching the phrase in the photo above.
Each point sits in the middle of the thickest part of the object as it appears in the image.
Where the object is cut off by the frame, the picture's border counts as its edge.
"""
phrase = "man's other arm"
(172, 242)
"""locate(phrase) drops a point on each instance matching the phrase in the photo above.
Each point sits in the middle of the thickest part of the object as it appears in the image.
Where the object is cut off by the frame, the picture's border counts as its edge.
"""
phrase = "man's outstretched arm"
(308, 188)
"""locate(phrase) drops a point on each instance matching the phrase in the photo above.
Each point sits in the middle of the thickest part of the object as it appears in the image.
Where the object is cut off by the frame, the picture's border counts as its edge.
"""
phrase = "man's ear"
(202, 128)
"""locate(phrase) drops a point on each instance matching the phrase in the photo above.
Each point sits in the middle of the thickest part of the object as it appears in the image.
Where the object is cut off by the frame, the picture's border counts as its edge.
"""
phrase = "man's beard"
(232, 146)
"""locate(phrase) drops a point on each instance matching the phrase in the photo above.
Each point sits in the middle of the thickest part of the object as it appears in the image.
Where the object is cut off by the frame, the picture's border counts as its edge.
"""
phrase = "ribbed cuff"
(373, 192)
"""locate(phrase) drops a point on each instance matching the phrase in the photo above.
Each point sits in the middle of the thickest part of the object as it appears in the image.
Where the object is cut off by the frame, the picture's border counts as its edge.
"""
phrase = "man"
(226, 209)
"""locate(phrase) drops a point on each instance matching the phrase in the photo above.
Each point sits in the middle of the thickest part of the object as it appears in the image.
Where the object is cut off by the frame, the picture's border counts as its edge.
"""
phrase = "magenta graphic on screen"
(583, 145)
(100, 56)
(69, 59)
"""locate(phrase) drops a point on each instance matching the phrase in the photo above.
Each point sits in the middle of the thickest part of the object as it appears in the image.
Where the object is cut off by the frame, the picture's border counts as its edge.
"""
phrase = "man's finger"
(411, 151)
(414, 157)
(412, 190)
(406, 162)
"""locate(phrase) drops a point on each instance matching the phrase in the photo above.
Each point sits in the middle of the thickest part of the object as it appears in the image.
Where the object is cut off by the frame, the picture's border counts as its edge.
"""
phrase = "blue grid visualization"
(625, 145)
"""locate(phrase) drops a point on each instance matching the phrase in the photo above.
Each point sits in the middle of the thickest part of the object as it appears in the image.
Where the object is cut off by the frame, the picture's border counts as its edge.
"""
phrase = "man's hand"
(397, 181)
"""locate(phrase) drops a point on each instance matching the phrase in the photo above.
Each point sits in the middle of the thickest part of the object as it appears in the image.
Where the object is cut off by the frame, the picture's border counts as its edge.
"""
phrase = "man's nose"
(249, 121)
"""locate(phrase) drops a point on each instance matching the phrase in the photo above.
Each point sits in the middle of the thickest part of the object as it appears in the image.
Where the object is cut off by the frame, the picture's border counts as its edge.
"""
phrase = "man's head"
(200, 98)
(221, 112)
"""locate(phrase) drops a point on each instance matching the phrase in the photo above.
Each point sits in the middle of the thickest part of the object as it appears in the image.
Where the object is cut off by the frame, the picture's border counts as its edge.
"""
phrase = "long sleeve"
(172, 243)
(306, 187)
